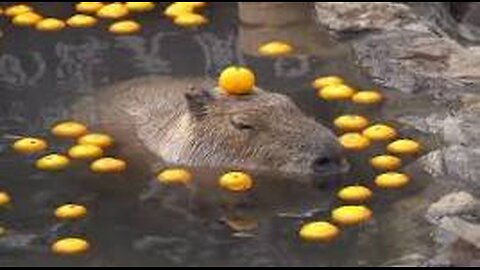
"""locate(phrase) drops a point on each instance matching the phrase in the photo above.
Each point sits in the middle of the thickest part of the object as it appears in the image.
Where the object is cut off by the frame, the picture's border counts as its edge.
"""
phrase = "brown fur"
(190, 122)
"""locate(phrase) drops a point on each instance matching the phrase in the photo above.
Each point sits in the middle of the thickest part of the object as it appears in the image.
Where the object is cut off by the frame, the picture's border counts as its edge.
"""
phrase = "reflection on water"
(132, 220)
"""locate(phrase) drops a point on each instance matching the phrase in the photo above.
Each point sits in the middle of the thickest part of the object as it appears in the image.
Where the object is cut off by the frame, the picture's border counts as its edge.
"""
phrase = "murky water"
(132, 220)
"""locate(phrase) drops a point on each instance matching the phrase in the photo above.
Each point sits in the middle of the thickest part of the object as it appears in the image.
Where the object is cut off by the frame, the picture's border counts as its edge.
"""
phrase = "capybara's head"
(260, 131)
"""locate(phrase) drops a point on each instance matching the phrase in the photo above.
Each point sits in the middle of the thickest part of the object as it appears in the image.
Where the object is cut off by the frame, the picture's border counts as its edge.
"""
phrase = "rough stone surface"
(402, 51)
(467, 231)
(424, 50)
(407, 47)
(361, 16)
(457, 235)
(453, 205)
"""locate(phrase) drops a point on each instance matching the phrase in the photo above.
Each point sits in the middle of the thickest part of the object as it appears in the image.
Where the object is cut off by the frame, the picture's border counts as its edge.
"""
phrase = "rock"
(462, 163)
(419, 49)
(406, 52)
(407, 61)
(440, 16)
(456, 165)
(457, 234)
(457, 139)
(466, 15)
(460, 253)
(456, 243)
(462, 128)
(432, 163)
(413, 48)
(453, 205)
(361, 16)
(463, 64)
(467, 231)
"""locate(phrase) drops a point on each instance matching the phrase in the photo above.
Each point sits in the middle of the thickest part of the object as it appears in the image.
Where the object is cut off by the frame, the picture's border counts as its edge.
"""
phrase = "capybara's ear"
(198, 101)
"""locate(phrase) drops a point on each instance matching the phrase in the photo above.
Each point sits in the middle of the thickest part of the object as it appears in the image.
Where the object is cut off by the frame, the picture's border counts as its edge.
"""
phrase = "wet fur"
(186, 121)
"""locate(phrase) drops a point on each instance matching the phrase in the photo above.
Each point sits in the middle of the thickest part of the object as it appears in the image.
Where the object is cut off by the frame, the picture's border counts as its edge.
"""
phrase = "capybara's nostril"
(321, 162)
(327, 164)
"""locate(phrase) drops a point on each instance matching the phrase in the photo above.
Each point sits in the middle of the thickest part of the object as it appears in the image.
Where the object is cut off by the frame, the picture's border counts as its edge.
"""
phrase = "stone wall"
(424, 50)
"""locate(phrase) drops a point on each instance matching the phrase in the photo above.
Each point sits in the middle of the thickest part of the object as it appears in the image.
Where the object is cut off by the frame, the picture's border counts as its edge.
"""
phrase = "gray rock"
(431, 123)
(462, 163)
(457, 165)
(361, 16)
(419, 49)
(406, 52)
(467, 231)
(432, 163)
(414, 61)
(409, 48)
(453, 205)
(457, 234)
(466, 16)
(457, 137)
(456, 243)
(462, 128)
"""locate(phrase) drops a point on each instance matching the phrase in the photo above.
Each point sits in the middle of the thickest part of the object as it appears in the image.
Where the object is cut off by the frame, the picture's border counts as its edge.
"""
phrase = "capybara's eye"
(240, 123)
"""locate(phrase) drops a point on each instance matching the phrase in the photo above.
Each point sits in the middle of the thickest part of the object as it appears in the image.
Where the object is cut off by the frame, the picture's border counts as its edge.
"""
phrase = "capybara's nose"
(329, 164)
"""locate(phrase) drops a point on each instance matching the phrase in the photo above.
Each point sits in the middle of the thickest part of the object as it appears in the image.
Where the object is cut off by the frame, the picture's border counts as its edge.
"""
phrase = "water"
(133, 221)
